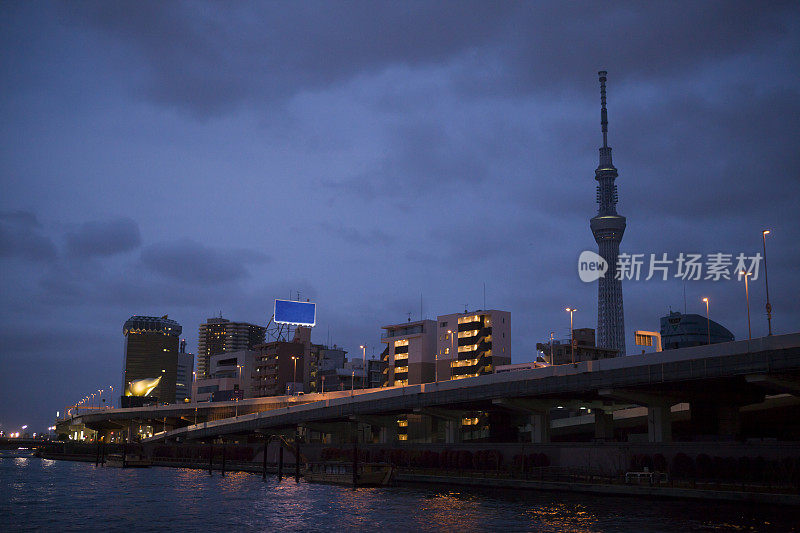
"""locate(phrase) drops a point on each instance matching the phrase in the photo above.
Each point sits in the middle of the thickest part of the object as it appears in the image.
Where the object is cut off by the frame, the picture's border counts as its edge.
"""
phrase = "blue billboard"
(295, 313)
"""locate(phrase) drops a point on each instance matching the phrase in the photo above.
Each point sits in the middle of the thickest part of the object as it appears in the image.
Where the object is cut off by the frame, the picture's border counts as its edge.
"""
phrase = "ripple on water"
(68, 496)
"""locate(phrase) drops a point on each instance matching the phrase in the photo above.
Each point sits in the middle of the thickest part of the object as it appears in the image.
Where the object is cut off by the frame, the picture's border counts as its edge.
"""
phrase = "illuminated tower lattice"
(608, 227)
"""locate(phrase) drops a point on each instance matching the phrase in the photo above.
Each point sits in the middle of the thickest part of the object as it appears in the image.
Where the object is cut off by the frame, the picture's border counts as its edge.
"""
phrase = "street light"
(766, 281)
(240, 391)
(571, 336)
(708, 321)
(294, 376)
(364, 361)
(747, 295)
(111, 403)
(453, 351)
(323, 385)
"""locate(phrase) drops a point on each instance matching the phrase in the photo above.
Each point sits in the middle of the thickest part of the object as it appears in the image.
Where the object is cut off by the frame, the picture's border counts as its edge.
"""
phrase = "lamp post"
(322, 378)
(552, 334)
(294, 376)
(111, 403)
(99, 395)
(766, 281)
(571, 337)
(236, 400)
(747, 296)
(453, 350)
(364, 362)
(708, 320)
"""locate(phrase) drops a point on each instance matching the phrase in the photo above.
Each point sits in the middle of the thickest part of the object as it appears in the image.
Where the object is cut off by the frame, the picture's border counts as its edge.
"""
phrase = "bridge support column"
(659, 423)
(536, 412)
(387, 434)
(387, 427)
(540, 427)
(452, 431)
(719, 419)
(730, 424)
(603, 425)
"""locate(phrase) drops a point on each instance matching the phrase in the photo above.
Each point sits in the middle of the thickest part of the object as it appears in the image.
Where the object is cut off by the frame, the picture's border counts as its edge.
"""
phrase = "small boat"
(341, 473)
(132, 460)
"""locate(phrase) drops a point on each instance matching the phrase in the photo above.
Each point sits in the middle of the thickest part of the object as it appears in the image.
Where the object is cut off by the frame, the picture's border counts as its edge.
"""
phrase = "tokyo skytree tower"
(608, 227)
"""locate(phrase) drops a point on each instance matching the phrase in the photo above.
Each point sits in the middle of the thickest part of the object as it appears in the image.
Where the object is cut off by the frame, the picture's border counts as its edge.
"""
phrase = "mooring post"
(223, 459)
(211, 459)
(355, 456)
(297, 456)
(97, 454)
(264, 461)
(280, 462)
(124, 454)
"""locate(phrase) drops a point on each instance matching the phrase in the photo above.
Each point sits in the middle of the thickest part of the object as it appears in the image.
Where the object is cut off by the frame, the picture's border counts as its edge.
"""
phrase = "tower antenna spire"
(608, 227)
(603, 113)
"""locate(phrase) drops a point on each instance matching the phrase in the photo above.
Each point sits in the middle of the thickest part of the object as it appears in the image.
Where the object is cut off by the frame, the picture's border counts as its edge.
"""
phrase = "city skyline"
(184, 172)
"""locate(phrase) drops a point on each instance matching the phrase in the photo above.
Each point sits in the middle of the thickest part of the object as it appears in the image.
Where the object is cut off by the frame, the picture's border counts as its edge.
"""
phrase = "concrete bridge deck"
(724, 376)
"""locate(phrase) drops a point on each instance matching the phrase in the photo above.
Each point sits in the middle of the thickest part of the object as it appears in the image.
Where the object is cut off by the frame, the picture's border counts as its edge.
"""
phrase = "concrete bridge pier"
(451, 419)
(537, 413)
(659, 423)
(330, 432)
(659, 413)
(386, 426)
(603, 425)
(717, 418)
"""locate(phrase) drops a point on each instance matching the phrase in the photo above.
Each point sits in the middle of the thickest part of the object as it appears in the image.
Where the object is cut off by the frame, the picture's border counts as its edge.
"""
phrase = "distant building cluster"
(236, 361)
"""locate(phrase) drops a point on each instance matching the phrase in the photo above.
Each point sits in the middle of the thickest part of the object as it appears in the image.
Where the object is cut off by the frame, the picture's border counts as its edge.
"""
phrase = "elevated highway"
(717, 381)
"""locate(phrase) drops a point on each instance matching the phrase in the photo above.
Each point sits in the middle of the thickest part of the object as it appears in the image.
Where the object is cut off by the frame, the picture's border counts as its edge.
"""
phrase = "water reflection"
(154, 499)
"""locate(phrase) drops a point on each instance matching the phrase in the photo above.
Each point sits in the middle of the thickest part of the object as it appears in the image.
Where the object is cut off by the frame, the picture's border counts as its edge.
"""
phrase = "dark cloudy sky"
(191, 158)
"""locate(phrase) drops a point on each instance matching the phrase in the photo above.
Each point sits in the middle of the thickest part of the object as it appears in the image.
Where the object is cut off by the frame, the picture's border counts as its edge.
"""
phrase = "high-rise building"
(219, 335)
(410, 353)
(185, 374)
(151, 360)
(608, 227)
(473, 344)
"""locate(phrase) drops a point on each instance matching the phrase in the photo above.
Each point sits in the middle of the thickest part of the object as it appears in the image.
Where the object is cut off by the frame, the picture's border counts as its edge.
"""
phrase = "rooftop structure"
(682, 331)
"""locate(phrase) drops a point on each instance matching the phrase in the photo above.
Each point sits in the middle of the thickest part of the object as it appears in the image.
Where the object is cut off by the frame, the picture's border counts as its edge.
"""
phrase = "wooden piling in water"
(297, 457)
(264, 461)
(280, 463)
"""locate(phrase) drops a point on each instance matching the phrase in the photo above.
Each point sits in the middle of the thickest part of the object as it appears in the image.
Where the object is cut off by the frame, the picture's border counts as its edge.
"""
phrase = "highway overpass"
(715, 383)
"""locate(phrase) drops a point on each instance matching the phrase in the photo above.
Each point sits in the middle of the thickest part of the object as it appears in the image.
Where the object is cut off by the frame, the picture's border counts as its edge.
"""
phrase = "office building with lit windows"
(220, 335)
(151, 360)
(472, 344)
(410, 353)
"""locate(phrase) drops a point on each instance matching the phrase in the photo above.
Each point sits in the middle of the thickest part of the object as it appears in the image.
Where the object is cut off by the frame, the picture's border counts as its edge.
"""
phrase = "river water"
(39, 494)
